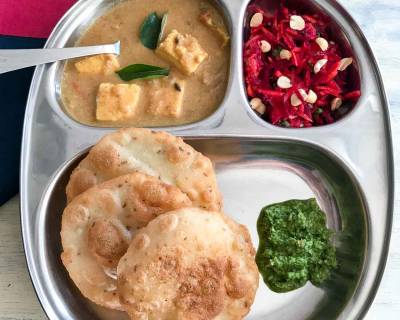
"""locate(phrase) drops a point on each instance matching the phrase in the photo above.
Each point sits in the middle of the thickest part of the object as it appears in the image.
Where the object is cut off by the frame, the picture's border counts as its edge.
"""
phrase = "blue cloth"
(14, 88)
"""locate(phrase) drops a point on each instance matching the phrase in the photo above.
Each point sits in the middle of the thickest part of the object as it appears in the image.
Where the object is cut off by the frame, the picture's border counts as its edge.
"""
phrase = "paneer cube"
(206, 18)
(166, 97)
(100, 64)
(184, 51)
(116, 101)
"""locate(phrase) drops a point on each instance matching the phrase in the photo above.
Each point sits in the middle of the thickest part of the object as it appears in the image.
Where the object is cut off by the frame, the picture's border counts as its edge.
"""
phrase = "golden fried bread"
(189, 264)
(158, 154)
(98, 225)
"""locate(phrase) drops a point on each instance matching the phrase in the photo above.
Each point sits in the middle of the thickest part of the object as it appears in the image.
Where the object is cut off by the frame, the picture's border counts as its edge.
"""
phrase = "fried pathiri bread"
(158, 154)
(189, 264)
(98, 225)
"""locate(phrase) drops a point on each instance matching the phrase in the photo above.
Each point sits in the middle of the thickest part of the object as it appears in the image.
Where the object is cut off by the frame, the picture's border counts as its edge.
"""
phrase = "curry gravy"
(204, 90)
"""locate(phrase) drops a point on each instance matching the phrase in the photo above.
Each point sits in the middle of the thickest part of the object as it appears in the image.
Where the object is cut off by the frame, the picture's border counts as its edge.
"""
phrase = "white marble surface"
(380, 21)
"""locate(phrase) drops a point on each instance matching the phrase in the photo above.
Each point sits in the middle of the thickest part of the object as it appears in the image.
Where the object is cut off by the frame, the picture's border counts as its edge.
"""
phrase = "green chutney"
(295, 245)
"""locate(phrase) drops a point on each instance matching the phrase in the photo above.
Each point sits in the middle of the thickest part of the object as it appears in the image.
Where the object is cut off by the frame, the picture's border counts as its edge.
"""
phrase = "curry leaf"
(150, 31)
(142, 71)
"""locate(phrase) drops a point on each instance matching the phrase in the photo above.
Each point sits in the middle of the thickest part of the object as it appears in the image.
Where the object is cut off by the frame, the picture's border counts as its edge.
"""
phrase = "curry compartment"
(195, 46)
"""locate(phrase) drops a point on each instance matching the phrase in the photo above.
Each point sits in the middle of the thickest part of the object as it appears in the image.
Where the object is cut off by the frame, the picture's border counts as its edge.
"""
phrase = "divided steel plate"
(348, 166)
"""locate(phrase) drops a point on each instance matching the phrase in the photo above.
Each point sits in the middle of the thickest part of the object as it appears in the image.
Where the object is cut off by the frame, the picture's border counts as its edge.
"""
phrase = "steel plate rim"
(390, 158)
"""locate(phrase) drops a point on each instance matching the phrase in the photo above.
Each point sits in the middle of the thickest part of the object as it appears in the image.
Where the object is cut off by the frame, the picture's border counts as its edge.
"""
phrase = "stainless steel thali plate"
(348, 166)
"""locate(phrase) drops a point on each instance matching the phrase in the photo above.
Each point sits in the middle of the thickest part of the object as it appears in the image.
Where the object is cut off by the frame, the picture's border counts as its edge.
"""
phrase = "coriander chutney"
(295, 245)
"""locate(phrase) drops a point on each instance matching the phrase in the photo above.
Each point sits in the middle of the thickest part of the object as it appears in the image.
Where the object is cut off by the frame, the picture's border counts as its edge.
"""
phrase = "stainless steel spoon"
(17, 59)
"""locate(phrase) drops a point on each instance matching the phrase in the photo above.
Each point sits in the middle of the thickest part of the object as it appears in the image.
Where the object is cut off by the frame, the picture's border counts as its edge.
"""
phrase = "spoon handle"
(17, 59)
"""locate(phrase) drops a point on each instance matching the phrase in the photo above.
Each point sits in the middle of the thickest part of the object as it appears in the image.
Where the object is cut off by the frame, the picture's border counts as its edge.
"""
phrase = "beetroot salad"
(295, 75)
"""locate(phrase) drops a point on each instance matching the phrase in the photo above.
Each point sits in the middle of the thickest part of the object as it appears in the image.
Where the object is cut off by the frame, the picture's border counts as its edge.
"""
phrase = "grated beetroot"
(262, 70)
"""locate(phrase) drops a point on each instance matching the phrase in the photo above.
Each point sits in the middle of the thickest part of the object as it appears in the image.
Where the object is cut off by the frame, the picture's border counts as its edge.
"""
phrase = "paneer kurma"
(194, 57)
